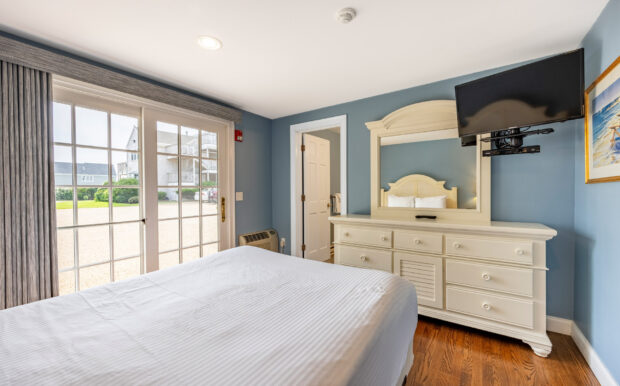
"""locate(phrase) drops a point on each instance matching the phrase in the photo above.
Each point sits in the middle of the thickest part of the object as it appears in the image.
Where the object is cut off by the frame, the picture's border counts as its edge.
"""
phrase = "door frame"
(296, 132)
(87, 89)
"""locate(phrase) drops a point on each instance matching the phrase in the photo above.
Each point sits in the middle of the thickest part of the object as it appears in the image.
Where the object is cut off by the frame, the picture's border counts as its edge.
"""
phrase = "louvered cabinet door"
(426, 274)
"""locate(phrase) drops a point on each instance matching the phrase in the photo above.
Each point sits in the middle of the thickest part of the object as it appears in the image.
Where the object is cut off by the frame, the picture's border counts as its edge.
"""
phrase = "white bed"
(242, 316)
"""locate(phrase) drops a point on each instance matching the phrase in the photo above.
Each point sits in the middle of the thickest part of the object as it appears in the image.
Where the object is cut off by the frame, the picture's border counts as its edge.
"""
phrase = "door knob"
(486, 276)
(417, 241)
(457, 245)
(519, 251)
(364, 258)
(486, 306)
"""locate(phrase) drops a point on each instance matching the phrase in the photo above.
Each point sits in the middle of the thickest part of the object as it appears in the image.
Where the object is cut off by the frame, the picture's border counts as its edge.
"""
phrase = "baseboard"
(598, 367)
(568, 327)
(559, 325)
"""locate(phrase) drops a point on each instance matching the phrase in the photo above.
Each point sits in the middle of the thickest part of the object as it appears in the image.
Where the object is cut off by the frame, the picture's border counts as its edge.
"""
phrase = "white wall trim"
(559, 325)
(596, 364)
(568, 327)
(296, 132)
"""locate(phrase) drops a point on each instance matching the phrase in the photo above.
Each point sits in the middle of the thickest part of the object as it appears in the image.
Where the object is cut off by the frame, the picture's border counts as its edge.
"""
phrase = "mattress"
(242, 316)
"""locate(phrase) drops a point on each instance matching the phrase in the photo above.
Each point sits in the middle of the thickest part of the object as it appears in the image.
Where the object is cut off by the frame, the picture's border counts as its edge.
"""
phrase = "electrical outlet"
(239, 196)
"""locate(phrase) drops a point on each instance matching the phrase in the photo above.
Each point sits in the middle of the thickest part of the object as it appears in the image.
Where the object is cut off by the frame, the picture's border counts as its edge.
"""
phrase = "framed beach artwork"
(602, 125)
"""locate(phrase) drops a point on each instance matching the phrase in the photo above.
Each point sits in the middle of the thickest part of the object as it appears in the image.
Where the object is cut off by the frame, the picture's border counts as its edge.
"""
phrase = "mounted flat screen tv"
(550, 90)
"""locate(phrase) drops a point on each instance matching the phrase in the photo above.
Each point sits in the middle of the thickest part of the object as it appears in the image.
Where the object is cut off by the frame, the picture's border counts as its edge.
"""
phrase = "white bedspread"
(242, 316)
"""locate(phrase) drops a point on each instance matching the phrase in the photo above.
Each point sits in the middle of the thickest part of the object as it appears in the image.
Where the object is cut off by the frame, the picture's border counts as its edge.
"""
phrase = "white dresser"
(490, 276)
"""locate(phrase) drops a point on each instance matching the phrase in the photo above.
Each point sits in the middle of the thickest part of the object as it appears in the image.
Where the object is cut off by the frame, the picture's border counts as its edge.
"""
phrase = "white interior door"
(316, 178)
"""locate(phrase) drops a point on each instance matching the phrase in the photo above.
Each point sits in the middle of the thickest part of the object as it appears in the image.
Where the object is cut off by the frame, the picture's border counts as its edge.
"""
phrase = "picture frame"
(602, 127)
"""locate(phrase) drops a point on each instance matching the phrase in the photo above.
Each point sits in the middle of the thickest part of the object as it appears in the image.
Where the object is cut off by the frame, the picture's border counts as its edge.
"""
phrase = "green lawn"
(87, 204)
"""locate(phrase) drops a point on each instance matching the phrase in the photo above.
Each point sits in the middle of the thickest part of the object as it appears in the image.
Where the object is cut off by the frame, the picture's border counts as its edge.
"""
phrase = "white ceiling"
(282, 57)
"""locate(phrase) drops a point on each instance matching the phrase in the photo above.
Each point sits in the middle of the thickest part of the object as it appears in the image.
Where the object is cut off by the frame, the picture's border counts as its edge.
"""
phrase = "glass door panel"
(98, 190)
(186, 153)
(180, 170)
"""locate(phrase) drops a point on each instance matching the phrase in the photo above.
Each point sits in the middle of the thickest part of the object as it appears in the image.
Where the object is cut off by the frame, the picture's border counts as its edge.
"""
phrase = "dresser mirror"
(419, 168)
(428, 170)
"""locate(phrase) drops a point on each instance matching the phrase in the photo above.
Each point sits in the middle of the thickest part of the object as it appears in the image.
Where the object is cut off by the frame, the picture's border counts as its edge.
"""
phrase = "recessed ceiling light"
(209, 43)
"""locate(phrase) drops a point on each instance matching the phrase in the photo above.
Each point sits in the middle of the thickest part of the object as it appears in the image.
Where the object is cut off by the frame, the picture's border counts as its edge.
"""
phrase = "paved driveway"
(94, 244)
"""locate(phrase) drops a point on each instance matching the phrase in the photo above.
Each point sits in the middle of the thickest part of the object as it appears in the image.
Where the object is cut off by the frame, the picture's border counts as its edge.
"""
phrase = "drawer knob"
(486, 306)
(457, 245)
(384, 238)
(486, 276)
(346, 234)
(417, 241)
(364, 258)
(519, 251)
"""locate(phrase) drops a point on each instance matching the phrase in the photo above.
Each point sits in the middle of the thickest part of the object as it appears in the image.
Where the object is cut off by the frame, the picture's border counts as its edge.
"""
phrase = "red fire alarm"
(238, 136)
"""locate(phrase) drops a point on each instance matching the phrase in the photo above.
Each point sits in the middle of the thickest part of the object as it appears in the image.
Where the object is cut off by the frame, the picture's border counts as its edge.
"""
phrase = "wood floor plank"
(448, 354)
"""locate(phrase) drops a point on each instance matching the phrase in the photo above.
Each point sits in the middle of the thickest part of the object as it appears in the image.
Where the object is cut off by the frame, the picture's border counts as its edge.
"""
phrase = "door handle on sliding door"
(223, 209)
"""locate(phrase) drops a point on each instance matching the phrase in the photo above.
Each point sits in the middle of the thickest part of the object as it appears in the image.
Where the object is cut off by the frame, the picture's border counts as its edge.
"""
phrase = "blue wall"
(597, 218)
(456, 165)
(533, 187)
(253, 174)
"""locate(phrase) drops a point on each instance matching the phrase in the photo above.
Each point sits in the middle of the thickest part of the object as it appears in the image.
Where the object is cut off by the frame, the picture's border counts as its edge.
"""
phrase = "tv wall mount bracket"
(511, 142)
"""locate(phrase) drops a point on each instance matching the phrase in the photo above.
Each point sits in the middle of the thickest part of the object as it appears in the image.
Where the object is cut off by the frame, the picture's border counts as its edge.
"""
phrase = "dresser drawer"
(518, 281)
(377, 237)
(489, 306)
(364, 257)
(493, 249)
(425, 273)
(418, 241)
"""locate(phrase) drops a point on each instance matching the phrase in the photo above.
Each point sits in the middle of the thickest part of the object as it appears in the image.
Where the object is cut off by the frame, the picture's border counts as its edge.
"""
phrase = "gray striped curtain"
(28, 256)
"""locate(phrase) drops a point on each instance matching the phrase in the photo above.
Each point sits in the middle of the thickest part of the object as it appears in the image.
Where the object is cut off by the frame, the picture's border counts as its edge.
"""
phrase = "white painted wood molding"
(596, 364)
(568, 327)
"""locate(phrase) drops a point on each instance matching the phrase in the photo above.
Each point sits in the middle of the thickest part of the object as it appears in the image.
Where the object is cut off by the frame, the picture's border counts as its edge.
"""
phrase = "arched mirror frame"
(425, 117)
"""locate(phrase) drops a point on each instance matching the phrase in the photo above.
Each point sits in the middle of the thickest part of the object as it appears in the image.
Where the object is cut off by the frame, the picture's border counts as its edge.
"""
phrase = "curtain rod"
(31, 55)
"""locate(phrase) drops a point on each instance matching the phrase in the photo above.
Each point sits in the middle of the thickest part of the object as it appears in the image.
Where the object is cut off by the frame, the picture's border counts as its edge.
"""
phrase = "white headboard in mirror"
(425, 121)
(419, 186)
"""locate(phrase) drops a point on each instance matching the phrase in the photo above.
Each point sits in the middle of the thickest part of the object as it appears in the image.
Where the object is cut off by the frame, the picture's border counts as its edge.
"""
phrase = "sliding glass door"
(190, 182)
(138, 188)
(98, 180)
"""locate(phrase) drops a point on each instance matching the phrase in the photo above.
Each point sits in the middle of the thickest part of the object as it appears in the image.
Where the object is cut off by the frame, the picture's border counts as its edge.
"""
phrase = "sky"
(91, 129)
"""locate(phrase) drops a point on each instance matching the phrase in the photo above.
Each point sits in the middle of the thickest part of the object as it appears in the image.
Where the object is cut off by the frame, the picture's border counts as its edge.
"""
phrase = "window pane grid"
(99, 263)
(190, 184)
(109, 192)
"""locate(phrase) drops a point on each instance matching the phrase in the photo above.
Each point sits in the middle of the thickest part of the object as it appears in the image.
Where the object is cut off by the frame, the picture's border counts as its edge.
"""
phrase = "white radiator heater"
(267, 239)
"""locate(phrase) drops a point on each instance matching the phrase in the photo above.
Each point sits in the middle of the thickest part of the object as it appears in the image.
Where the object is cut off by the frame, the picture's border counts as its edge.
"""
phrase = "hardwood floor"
(448, 354)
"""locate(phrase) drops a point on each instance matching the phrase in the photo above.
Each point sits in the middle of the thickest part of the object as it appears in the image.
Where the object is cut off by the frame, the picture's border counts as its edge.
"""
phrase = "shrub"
(161, 196)
(64, 194)
(127, 181)
(188, 193)
(133, 200)
(209, 184)
(86, 193)
(102, 195)
(119, 195)
(122, 195)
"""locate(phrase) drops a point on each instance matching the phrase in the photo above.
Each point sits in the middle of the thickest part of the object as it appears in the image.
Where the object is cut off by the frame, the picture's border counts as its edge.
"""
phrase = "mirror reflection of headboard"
(419, 185)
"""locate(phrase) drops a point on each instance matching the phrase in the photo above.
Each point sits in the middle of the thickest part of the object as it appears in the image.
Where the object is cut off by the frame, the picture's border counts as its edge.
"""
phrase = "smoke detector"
(345, 15)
